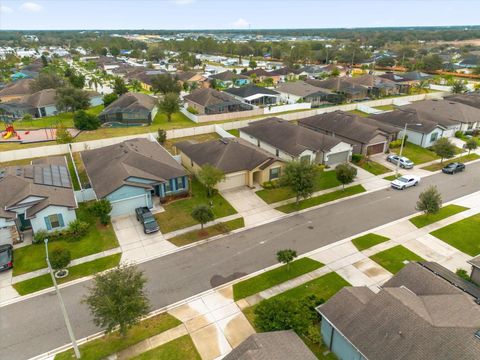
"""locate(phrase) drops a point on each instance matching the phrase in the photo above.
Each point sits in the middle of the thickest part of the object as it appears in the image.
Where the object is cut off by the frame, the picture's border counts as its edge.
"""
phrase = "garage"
(234, 180)
(376, 148)
(337, 158)
(128, 206)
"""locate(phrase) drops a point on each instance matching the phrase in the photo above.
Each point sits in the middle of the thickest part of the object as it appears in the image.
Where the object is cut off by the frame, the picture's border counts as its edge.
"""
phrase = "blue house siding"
(337, 343)
(174, 186)
(126, 192)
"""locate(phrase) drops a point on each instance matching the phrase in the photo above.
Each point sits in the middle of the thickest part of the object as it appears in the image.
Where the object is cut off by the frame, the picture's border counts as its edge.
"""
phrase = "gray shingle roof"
(292, 139)
(471, 99)
(276, 345)
(445, 111)
(371, 81)
(20, 87)
(41, 98)
(228, 76)
(109, 167)
(249, 90)
(208, 96)
(131, 103)
(301, 88)
(339, 84)
(403, 115)
(417, 315)
(475, 261)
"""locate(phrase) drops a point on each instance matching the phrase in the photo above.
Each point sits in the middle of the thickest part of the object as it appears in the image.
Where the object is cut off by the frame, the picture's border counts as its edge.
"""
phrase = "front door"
(25, 224)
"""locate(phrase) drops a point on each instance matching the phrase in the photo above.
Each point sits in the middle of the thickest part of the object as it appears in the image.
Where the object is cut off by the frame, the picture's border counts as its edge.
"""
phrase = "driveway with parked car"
(403, 162)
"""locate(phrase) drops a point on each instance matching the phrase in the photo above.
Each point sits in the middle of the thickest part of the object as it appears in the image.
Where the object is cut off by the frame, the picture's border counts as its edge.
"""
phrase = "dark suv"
(149, 223)
(6, 257)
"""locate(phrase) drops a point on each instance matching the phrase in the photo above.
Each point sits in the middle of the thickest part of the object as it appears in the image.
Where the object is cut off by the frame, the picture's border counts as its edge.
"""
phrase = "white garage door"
(337, 158)
(128, 206)
(233, 181)
(448, 133)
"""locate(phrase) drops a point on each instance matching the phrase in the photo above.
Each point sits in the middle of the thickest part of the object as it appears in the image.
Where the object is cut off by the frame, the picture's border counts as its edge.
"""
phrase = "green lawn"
(416, 153)
(99, 238)
(393, 258)
(234, 132)
(75, 272)
(463, 235)
(113, 343)
(177, 215)
(386, 107)
(197, 235)
(169, 144)
(73, 175)
(359, 113)
(423, 220)
(374, 167)
(314, 201)
(392, 177)
(324, 180)
(181, 348)
(82, 173)
(368, 240)
(274, 277)
(463, 159)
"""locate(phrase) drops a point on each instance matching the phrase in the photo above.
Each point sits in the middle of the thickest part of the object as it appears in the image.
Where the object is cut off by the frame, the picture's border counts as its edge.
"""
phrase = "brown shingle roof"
(208, 96)
(301, 88)
(445, 111)
(19, 88)
(131, 103)
(41, 98)
(228, 76)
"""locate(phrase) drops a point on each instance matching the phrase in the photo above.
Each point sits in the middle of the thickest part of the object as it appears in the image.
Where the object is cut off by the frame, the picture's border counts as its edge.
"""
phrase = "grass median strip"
(374, 167)
(368, 240)
(75, 272)
(394, 259)
(197, 235)
(463, 235)
(462, 159)
(182, 348)
(274, 277)
(445, 212)
(112, 343)
(318, 200)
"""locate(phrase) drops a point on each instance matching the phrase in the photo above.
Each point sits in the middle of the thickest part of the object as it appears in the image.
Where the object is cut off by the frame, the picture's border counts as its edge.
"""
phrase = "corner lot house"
(130, 109)
(291, 142)
(37, 196)
(367, 136)
(423, 312)
(134, 173)
(255, 95)
(209, 101)
(242, 163)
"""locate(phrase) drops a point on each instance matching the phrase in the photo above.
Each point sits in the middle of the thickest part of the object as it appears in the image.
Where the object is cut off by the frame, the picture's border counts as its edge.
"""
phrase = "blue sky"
(230, 14)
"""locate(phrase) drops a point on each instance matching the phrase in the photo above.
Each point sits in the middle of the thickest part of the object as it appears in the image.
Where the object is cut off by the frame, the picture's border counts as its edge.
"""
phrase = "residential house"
(255, 95)
(144, 77)
(261, 75)
(16, 90)
(24, 74)
(130, 109)
(134, 173)
(366, 136)
(229, 78)
(288, 74)
(107, 63)
(210, 101)
(242, 163)
(342, 86)
(291, 142)
(423, 312)
(470, 99)
(414, 77)
(475, 273)
(274, 345)
(376, 86)
(301, 91)
(190, 78)
(37, 196)
(402, 83)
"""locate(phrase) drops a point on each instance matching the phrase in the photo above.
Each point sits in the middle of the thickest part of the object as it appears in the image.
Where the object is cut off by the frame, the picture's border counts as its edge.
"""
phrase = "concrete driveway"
(135, 244)
(253, 209)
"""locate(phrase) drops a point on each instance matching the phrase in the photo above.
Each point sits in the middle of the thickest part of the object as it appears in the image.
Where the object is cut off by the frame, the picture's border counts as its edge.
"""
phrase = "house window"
(54, 221)
(258, 143)
(168, 188)
(180, 185)
(433, 137)
(274, 173)
(277, 152)
(305, 158)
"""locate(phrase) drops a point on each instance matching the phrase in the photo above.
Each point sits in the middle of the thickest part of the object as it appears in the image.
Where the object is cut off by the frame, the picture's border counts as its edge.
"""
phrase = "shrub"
(463, 274)
(356, 158)
(77, 229)
(192, 110)
(109, 98)
(85, 121)
(102, 209)
(162, 136)
(272, 184)
(395, 144)
(458, 134)
(40, 236)
(60, 258)
(202, 214)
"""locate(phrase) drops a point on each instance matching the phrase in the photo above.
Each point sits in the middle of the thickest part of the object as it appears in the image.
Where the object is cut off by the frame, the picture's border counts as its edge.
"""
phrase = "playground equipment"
(9, 131)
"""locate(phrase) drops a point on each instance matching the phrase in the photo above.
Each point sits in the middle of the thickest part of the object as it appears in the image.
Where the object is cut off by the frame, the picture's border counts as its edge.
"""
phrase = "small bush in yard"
(356, 158)
(102, 209)
(463, 274)
(429, 201)
(60, 258)
(77, 229)
(40, 236)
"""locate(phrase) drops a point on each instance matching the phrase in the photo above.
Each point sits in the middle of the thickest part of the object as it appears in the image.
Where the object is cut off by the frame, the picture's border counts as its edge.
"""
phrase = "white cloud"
(31, 7)
(240, 24)
(183, 2)
(5, 9)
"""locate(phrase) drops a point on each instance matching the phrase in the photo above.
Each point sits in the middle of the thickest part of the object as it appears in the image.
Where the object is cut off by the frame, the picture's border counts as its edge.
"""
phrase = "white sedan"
(405, 181)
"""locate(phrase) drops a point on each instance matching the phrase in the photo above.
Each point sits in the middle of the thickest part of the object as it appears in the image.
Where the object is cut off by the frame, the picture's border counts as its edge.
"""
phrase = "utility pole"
(62, 305)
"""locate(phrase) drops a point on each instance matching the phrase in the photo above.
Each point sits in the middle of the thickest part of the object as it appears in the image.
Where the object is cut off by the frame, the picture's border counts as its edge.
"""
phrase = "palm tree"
(95, 82)
(422, 86)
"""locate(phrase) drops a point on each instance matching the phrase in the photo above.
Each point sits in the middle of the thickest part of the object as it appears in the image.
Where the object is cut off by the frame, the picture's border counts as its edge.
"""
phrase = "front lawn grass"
(324, 180)
(426, 219)
(181, 348)
(368, 240)
(73, 174)
(393, 258)
(177, 214)
(314, 201)
(169, 144)
(374, 167)
(82, 173)
(114, 342)
(359, 113)
(385, 107)
(75, 272)
(197, 235)
(274, 277)
(98, 238)
(463, 235)
(392, 177)
(234, 132)
(416, 153)
(462, 159)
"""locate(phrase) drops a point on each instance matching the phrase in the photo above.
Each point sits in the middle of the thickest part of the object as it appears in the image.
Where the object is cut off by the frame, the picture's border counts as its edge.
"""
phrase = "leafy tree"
(431, 63)
(60, 258)
(170, 105)
(118, 298)
(286, 256)
(77, 80)
(135, 84)
(300, 177)
(109, 98)
(165, 83)
(444, 148)
(202, 214)
(252, 64)
(386, 61)
(459, 87)
(94, 82)
(102, 209)
(85, 121)
(119, 86)
(429, 201)
(210, 176)
(471, 144)
(63, 136)
(335, 72)
(72, 99)
(114, 51)
(346, 173)
(47, 80)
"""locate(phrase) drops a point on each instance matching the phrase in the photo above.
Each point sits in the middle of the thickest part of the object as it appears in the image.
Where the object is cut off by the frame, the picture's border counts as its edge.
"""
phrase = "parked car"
(405, 181)
(403, 162)
(146, 218)
(453, 168)
(6, 257)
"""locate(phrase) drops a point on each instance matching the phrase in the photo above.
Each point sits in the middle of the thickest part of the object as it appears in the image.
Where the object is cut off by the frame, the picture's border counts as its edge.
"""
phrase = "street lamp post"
(401, 146)
(62, 305)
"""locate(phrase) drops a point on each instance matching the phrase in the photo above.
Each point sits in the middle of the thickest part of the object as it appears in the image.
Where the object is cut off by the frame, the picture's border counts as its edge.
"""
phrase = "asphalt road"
(35, 326)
